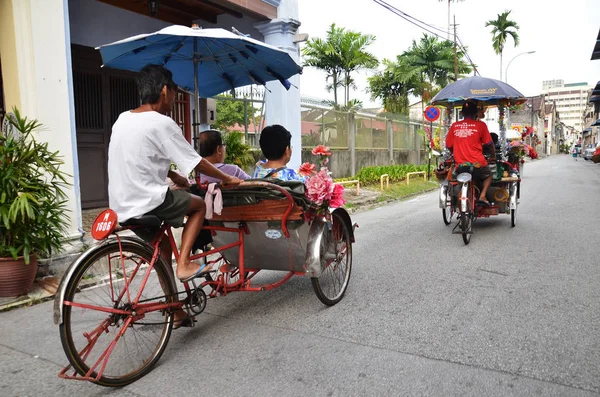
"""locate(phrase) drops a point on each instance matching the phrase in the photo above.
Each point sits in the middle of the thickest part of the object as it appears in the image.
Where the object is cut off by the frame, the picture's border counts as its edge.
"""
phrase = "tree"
(429, 63)
(502, 27)
(231, 113)
(339, 55)
(391, 87)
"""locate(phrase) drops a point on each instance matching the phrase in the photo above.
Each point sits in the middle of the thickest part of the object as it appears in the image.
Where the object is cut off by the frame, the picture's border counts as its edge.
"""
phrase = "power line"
(409, 18)
(464, 49)
(412, 20)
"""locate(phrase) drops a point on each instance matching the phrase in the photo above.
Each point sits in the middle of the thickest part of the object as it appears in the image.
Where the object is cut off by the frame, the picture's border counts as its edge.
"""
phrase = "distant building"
(549, 84)
(570, 100)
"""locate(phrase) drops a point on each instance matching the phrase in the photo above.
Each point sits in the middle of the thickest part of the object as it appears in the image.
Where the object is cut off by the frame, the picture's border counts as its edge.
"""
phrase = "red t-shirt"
(467, 138)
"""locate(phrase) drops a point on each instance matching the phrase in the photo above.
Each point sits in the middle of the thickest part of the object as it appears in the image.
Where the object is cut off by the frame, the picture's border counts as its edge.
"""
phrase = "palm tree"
(502, 28)
(422, 70)
(339, 55)
(321, 54)
(431, 62)
(352, 52)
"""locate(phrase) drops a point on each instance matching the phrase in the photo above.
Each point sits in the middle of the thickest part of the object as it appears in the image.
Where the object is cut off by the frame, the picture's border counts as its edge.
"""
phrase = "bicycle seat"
(144, 220)
(464, 177)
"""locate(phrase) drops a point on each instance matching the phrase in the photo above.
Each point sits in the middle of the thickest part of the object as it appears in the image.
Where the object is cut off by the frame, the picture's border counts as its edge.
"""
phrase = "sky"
(562, 34)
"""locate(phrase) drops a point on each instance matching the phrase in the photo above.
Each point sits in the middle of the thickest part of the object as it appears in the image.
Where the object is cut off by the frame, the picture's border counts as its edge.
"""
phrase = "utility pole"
(449, 22)
(455, 56)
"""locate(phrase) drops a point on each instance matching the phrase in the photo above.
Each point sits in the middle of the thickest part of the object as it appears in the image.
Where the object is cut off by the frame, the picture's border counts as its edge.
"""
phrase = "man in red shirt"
(466, 139)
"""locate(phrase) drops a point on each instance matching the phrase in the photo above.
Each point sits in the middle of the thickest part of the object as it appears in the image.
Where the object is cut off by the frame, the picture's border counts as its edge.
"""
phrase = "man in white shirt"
(143, 145)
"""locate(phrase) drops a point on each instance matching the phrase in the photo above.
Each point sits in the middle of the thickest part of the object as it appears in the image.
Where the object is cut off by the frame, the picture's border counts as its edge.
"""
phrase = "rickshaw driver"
(466, 140)
(143, 144)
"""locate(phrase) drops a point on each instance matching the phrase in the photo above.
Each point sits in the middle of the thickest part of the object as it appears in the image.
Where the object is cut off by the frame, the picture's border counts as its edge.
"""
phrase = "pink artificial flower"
(337, 197)
(307, 169)
(321, 151)
(319, 188)
(515, 143)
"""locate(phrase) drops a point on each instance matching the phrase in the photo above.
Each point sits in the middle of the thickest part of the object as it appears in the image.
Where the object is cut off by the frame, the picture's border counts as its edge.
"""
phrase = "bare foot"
(182, 319)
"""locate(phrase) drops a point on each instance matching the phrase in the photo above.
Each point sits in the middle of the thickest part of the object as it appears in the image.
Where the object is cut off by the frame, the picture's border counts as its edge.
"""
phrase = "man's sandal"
(204, 269)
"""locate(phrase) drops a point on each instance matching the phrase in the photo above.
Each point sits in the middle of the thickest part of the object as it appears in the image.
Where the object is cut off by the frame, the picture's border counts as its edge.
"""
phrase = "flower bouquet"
(320, 188)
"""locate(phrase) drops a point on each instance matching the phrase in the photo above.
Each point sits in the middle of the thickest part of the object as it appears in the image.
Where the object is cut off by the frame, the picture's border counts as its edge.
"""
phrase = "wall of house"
(8, 55)
(38, 80)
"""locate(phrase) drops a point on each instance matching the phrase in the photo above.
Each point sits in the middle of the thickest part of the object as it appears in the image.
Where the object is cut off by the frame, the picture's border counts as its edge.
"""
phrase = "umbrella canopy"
(478, 88)
(596, 123)
(214, 59)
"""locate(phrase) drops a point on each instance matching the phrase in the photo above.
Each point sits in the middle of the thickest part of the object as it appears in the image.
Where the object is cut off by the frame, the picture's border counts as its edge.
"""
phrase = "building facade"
(570, 100)
(51, 72)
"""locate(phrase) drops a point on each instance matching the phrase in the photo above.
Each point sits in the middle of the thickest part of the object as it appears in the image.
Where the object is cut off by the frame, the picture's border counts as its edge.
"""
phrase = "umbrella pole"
(502, 137)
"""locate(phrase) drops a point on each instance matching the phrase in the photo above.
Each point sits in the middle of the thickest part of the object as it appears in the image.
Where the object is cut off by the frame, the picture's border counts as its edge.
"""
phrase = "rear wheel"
(111, 278)
(513, 217)
(336, 262)
(466, 226)
(447, 214)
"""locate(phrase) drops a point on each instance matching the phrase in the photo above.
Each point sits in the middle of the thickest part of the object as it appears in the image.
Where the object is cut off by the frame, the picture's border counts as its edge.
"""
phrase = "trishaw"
(458, 195)
(458, 192)
(115, 305)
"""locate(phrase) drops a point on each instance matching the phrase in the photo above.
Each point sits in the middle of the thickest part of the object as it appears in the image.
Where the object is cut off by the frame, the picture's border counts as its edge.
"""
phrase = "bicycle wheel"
(111, 278)
(513, 217)
(447, 215)
(466, 226)
(336, 260)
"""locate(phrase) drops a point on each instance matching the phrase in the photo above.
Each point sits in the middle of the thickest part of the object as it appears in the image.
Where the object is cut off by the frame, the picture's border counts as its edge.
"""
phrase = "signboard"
(432, 113)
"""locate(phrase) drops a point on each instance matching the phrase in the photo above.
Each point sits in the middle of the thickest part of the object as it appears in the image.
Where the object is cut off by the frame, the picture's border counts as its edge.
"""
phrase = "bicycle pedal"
(227, 268)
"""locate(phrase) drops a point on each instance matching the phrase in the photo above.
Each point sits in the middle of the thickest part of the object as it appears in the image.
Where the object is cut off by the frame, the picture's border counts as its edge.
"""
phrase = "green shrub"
(396, 172)
(33, 217)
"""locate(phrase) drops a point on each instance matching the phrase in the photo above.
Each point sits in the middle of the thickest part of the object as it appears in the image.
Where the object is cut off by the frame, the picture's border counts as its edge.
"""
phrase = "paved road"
(515, 313)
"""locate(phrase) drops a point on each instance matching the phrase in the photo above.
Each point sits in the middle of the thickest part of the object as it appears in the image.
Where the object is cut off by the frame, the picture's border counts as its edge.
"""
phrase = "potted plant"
(32, 204)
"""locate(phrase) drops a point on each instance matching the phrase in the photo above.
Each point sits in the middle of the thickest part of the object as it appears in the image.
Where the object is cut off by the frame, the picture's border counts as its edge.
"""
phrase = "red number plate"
(104, 224)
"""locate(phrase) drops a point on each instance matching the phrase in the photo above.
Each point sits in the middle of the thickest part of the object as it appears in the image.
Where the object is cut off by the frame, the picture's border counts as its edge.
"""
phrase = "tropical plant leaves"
(33, 213)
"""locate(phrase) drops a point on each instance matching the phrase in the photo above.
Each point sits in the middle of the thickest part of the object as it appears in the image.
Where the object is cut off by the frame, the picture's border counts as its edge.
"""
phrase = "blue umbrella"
(204, 61)
(478, 88)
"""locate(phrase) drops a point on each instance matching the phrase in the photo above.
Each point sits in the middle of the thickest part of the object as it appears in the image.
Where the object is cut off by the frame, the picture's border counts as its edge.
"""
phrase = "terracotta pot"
(16, 278)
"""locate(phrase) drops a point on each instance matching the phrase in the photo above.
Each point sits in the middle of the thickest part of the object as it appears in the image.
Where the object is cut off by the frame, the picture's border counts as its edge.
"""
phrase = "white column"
(283, 106)
(46, 85)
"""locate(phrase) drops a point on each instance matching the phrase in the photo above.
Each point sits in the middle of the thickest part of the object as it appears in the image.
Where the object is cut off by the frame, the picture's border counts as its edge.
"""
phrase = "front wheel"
(466, 226)
(336, 262)
(100, 319)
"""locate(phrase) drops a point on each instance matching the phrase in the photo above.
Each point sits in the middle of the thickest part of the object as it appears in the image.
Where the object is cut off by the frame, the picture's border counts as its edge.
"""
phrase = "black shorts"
(172, 211)
(479, 174)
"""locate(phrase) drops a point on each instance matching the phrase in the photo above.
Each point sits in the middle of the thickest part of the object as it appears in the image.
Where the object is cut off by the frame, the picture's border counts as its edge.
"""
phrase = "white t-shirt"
(142, 147)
